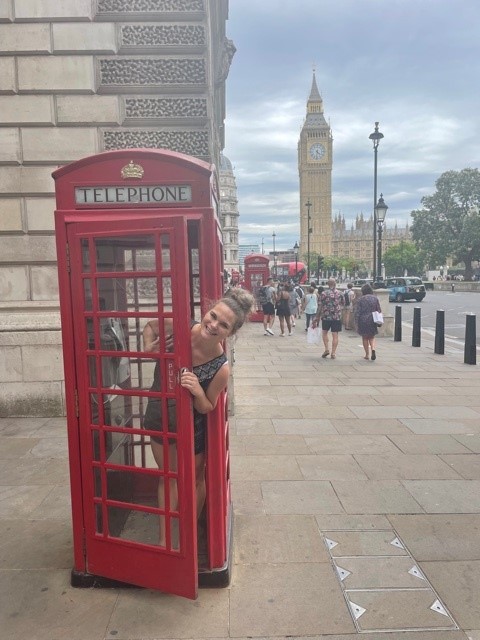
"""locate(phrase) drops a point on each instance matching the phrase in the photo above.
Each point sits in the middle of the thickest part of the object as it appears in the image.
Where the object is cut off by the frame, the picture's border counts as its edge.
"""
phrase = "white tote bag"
(313, 335)
(377, 318)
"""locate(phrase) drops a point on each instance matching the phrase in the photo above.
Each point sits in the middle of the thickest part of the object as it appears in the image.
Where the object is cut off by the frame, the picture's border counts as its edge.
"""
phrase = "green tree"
(448, 225)
(403, 256)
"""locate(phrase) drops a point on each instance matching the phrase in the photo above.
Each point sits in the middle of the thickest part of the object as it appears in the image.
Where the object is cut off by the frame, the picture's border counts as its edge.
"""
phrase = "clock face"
(317, 151)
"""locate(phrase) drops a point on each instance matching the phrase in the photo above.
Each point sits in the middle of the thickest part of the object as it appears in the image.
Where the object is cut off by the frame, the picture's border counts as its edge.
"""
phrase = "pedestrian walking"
(366, 327)
(268, 298)
(349, 296)
(310, 306)
(329, 311)
(283, 311)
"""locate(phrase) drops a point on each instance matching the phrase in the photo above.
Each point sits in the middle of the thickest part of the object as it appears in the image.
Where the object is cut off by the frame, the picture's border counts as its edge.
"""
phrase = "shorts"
(332, 325)
(268, 309)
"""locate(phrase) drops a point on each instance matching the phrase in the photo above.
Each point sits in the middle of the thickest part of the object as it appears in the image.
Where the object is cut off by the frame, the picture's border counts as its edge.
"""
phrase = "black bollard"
(397, 336)
(470, 354)
(416, 327)
(440, 332)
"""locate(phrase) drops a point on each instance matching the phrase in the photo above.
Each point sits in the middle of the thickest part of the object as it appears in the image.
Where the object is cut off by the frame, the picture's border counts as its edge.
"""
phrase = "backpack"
(346, 296)
(262, 295)
(299, 291)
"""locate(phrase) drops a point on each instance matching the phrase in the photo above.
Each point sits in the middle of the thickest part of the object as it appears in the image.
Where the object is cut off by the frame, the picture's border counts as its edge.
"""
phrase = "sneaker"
(265, 333)
(293, 324)
(270, 331)
(282, 335)
(290, 334)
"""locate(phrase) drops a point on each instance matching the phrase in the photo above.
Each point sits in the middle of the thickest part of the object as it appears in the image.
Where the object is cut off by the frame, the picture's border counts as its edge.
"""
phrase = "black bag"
(346, 296)
(262, 295)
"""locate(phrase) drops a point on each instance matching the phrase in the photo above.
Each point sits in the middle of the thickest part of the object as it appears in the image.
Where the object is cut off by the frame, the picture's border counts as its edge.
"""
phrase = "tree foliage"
(402, 257)
(448, 225)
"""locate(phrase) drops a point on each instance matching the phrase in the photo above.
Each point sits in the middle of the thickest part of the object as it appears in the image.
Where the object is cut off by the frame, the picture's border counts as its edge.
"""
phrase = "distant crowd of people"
(325, 307)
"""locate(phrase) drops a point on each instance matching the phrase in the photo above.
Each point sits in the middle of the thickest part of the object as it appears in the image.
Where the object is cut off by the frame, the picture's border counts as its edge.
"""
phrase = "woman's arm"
(151, 335)
(205, 402)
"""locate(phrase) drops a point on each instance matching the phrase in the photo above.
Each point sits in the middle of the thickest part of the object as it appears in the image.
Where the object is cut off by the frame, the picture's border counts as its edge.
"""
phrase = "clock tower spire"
(315, 173)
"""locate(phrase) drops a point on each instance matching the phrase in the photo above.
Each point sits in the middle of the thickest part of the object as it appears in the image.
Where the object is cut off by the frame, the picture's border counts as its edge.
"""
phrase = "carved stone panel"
(161, 35)
(194, 143)
(161, 109)
(150, 8)
(150, 72)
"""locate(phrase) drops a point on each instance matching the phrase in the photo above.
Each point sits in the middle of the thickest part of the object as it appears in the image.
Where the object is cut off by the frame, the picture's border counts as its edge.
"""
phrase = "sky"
(411, 65)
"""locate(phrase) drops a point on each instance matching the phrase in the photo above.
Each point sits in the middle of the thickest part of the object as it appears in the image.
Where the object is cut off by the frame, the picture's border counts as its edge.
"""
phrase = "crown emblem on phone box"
(132, 170)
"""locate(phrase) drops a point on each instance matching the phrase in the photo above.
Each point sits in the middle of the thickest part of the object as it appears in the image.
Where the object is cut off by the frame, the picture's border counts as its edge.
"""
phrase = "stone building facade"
(78, 77)
(356, 242)
(229, 214)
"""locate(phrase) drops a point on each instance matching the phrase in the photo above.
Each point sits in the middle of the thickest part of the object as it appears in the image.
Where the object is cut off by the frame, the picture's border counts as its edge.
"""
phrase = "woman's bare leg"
(157, 450)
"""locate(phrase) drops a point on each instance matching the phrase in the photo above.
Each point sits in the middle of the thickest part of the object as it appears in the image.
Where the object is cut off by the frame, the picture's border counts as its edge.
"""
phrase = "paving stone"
(398, 610)
(399, 411)
(326, 467)
(271, 599)
(440, 537)
(55, 610)
(380, 496)
(303, 427)
(458, 585)
(327, 522)
(436, 425)
(468, 465)
(411, 467)
(269, 445)
(34, 471)
(364, 543)
(13, 448)
(300, 497)
(247, 497)
(21, 501)
(254, 426)
(472, 442)
(352, 444)
(331, 412)
(381, 573)
(455, 412)
(146, 614)
(446, 496)
(36, 544)
(274, 539)
(258, 468)
(357, 426)
(436, 444)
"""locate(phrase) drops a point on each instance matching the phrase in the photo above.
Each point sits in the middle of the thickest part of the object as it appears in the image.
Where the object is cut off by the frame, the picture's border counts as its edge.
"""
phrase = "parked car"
(401, 289)
(359, 282)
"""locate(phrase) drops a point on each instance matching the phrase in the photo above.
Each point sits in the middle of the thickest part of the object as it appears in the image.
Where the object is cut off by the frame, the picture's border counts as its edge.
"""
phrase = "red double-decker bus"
(286, 271)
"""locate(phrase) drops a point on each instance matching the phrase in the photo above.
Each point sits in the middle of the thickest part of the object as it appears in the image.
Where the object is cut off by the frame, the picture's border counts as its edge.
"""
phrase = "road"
(456, 307)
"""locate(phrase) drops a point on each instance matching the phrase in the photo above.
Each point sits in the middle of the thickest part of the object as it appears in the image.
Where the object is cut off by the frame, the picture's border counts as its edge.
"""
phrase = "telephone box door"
(135, 431)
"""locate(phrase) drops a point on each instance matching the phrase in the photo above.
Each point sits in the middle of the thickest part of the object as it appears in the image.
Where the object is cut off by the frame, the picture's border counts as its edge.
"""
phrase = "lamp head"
(381, 209)
(376, 136)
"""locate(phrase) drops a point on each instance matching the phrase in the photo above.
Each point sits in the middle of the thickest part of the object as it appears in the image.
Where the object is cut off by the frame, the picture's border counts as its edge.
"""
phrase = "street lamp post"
(274, 255)
(295, 248)
(308, 204)
(262, 247)
(375, 137)
(380, 213)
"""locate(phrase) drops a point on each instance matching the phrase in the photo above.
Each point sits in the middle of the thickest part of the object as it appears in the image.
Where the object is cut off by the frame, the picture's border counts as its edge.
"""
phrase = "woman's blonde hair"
(241, 302)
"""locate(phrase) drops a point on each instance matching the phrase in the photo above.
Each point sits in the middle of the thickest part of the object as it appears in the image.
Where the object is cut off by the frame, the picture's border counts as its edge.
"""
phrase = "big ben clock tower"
(315, 171)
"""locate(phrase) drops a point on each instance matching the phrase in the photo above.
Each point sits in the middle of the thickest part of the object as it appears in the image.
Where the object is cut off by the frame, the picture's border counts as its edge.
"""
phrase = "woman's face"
(218, 322)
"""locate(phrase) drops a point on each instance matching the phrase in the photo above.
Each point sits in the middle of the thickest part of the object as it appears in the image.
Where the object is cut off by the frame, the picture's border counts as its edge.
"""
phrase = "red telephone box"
(138, 238)
(256, 273)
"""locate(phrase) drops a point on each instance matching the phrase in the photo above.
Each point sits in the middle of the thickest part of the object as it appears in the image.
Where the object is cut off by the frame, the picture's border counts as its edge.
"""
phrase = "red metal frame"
(98, 553)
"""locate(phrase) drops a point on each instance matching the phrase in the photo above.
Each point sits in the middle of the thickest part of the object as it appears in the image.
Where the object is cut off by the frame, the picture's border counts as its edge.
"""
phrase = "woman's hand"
(189, 381)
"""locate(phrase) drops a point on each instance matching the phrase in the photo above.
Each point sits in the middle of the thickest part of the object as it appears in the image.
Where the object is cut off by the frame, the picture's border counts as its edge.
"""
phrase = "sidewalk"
(356, 488)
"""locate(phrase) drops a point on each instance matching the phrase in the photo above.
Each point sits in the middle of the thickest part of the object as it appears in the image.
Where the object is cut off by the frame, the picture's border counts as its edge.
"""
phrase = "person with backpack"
(300, 295)
(267, 299)
(349, 296)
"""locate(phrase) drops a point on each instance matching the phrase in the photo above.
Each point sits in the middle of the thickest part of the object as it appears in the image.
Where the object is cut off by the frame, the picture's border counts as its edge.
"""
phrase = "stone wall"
(78, 77)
